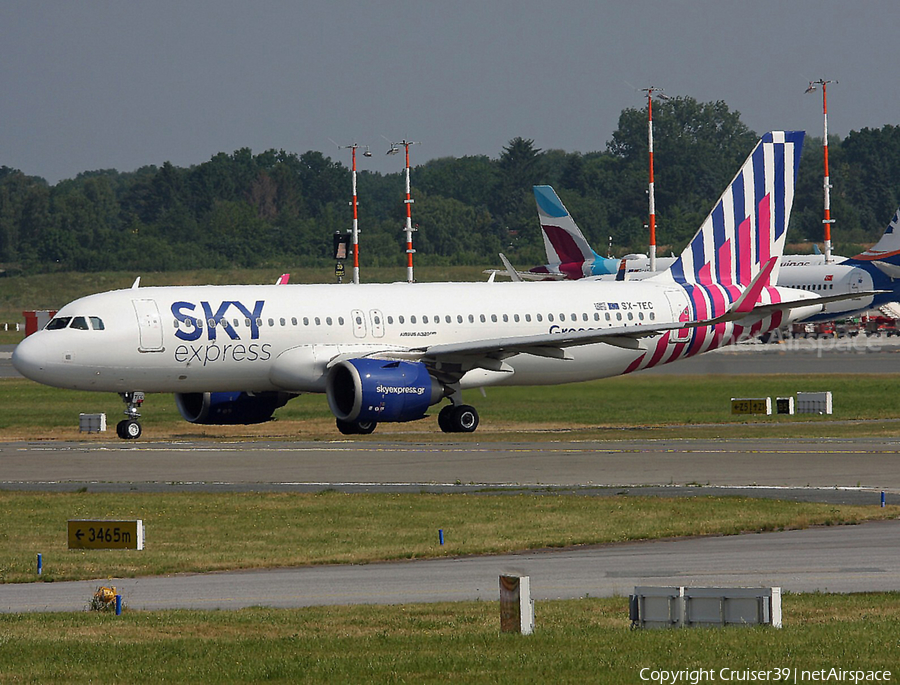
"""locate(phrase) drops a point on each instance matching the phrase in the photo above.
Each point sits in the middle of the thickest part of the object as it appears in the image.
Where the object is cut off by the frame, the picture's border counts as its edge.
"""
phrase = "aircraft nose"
(28, 358)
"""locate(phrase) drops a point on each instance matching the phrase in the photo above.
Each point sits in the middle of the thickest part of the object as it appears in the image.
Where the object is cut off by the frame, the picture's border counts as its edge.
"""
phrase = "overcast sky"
(94, 85)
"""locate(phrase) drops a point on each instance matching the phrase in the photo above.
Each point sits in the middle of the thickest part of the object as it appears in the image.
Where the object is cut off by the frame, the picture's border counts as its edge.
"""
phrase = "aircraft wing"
(548, 344)
(527, 275)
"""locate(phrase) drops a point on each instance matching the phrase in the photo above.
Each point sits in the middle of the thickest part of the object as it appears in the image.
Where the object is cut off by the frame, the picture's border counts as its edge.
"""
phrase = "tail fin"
(748, 224)
(886, 252)
(563, 240)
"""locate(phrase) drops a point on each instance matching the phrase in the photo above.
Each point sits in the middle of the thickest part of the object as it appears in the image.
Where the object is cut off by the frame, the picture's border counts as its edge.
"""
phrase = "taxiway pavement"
(837, 559)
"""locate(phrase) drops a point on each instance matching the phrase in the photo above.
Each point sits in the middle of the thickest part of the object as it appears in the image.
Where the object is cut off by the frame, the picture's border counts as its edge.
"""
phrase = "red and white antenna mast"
(355, 231)
(827, 221)
(652, 220)
(409, 227)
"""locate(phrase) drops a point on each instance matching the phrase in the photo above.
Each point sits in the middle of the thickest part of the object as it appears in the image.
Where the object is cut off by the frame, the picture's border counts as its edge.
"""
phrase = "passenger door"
(149, 325)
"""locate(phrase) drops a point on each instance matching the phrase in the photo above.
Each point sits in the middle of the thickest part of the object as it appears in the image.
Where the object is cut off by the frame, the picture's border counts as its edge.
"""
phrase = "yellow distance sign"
(102, 534)
(751, 405)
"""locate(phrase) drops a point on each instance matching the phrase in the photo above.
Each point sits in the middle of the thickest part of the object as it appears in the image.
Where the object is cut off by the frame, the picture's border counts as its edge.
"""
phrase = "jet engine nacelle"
(229, 407)
(361, 390)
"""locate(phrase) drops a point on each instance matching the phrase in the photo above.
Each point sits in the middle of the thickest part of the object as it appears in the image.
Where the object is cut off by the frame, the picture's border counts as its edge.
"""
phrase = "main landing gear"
(129, 428)
(460, 418)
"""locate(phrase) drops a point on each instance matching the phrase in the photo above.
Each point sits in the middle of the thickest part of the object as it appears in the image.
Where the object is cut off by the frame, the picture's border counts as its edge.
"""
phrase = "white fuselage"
(282, 337)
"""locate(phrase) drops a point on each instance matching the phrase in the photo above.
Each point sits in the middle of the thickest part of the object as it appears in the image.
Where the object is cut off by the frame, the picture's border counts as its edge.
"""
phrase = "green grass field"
(613, 408)
(198, 532)
(575, 641)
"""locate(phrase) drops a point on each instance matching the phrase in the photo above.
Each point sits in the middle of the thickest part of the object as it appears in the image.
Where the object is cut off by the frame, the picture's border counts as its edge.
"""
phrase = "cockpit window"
(59, 322)
(97, 323)
(79, 323)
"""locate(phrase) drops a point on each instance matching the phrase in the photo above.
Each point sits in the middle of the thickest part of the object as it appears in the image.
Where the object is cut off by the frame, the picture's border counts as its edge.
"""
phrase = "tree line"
(280, 209)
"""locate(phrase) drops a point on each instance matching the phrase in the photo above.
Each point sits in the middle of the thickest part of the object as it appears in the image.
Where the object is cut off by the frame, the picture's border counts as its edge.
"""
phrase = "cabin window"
(483, 318)
(447, 319)
(247, 323)
(608, 317)
(528, 318)
(584, 317)
(282, 322)
(652, 316)
(318, 321)
(459, 318)
(549, 317)
(412, 319)
(212, 323)
(341, 321)
(425, 319)
(539, 317)
(494, 318)
(375, 318)
(630, 316)
(471, 319)
(306, 321)
(259, 323)
(618, 316)
(390, 319)
(641, 315)
(596, 316)
(516, 318)
(400, 318)
(328, 320)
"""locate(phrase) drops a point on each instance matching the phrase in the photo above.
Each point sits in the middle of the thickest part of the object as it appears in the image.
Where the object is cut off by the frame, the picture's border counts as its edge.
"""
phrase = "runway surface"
(840, 559)
(831, 470)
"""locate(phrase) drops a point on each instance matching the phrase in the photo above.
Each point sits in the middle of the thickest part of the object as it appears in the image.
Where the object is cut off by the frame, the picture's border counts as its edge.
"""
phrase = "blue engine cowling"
(361, 390)
(229, 407)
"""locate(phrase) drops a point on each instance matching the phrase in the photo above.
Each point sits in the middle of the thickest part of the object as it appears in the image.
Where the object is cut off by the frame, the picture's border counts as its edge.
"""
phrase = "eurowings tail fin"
(748, 224)
(563, 240)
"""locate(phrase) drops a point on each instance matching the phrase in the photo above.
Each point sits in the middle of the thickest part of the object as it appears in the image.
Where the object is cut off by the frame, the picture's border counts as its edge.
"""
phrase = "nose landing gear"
(129, 428)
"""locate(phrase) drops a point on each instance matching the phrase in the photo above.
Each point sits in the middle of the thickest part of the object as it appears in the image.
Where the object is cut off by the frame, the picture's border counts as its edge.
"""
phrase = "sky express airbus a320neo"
(388, 352)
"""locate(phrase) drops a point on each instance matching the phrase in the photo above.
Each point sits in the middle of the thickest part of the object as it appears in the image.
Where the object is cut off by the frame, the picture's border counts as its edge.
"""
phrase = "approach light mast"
(827, 221)
(652, 218)
(409, 227)
(354, 240)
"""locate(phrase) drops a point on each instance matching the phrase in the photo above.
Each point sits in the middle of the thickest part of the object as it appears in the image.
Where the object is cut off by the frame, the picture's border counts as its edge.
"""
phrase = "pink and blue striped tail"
(748, 225)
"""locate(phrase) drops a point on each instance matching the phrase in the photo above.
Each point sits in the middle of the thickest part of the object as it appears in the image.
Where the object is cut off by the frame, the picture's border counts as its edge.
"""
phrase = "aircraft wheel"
(445, 420)
(128, 429)
(355, 428)
(365, 427)
(464, 419)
